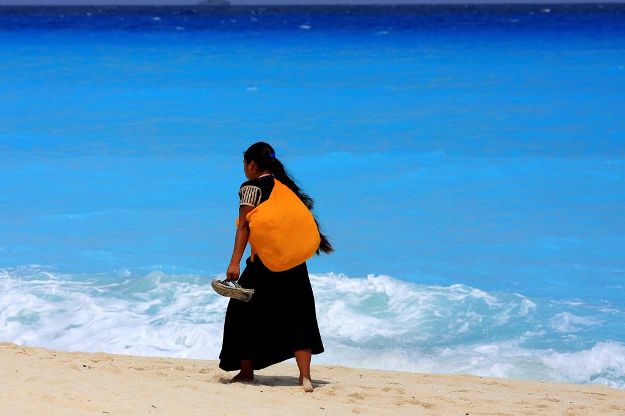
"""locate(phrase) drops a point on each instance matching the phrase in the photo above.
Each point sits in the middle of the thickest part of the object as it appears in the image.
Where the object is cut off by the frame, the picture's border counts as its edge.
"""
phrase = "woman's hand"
(233, 272)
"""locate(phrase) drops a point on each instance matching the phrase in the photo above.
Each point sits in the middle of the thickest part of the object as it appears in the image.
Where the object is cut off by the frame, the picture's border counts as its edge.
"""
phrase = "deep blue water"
(476, 155)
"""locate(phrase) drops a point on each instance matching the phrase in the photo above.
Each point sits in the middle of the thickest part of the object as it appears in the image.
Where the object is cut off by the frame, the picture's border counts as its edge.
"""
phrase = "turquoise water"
(469, 161)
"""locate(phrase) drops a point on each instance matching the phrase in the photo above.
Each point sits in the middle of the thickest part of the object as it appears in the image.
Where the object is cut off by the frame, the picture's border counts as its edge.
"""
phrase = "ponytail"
(277, 170)
(265, 157)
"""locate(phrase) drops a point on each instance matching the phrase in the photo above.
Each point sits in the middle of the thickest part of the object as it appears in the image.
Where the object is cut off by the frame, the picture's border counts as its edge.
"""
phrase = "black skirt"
(279, 320)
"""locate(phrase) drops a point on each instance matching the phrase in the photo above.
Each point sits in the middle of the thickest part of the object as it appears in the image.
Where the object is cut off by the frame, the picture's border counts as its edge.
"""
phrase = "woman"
(280, 321)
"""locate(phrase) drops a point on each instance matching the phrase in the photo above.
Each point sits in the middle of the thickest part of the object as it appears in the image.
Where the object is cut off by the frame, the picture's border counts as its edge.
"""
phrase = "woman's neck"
(260, 175)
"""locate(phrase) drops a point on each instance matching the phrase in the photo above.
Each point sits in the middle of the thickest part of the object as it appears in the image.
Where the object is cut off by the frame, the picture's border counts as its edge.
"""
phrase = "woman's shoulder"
(255, 191)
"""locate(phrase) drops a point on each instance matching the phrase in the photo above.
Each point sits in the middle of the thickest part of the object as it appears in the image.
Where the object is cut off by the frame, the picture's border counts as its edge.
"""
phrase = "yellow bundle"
(283, 231)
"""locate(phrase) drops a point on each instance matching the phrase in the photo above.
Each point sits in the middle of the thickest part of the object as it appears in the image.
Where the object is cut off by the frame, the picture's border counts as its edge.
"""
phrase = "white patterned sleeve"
(249, 195)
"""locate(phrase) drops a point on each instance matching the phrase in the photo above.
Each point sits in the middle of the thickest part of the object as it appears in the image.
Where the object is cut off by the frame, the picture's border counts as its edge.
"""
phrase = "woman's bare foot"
(302, 357)
(306, 384)
(246, 375)
(243, 377)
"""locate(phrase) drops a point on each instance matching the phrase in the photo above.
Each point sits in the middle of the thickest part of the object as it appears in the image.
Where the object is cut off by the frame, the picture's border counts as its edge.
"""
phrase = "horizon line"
(400, 4)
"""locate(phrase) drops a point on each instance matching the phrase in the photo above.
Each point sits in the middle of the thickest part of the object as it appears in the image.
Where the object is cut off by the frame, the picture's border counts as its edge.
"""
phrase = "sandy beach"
(38, 381)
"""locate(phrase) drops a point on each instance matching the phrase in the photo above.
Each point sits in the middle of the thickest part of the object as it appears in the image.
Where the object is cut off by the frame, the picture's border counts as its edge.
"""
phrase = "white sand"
(38, 381)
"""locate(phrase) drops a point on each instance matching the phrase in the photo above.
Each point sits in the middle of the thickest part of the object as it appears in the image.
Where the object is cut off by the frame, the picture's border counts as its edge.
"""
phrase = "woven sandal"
(232, 290)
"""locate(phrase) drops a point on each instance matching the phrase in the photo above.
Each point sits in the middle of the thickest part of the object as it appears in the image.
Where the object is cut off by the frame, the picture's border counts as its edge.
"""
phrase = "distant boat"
(213, 3)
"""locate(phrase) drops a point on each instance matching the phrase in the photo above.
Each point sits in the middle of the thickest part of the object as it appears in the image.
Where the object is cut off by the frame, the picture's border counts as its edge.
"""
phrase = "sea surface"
(468, 164)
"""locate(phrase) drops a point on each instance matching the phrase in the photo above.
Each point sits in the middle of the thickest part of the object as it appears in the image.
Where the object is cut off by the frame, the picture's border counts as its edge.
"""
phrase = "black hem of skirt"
(280, 318)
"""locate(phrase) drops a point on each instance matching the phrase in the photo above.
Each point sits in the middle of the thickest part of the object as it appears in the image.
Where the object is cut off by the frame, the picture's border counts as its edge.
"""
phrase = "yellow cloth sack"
(283, 231)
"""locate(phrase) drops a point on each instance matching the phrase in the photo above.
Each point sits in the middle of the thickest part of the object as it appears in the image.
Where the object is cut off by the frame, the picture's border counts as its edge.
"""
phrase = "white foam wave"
(568, 322)
(373, 322)
(149, 315)
(603, 363)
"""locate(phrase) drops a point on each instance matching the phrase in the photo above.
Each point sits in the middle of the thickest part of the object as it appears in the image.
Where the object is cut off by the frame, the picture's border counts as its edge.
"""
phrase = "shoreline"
(39, 381)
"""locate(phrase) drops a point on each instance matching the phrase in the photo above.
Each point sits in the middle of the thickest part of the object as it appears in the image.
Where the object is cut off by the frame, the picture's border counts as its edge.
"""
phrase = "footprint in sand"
(415, 402)
(356, 396)
(395, 389)
(222, 379)
(595, 394)
(552, 400)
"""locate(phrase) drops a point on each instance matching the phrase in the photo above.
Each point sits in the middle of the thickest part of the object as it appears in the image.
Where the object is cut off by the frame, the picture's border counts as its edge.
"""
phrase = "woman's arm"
(240, 241)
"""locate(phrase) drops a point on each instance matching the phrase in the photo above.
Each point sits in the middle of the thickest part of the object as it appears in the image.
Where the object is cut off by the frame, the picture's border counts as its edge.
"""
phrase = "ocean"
(467, 163)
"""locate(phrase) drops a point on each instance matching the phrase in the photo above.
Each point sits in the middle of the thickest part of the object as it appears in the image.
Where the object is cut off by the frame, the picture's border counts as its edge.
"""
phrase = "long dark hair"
(265, 157)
